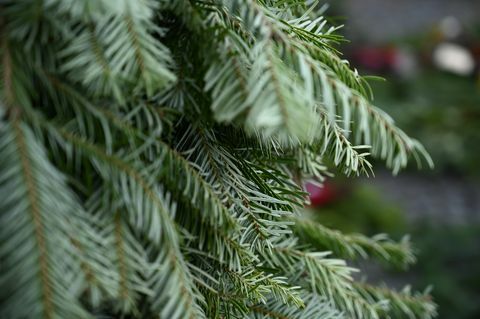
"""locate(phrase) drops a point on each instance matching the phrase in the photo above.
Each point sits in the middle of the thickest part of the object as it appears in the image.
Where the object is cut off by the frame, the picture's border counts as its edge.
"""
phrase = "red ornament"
(321, 195)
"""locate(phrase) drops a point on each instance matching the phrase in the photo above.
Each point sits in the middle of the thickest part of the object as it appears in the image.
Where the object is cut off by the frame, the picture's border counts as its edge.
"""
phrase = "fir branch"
(335, 145)
(38, 224)
(256, 199)
(127, 255)
(354, 246)
(325, 84)
(403, 304)
(35, 229)
(330, 278)
(156, 222)
(259, 285)
(315, 307)
(123, 289)
(111, 203)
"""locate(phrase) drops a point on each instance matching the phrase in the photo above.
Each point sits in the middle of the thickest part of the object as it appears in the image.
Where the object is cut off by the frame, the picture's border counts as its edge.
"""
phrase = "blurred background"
(429, 53)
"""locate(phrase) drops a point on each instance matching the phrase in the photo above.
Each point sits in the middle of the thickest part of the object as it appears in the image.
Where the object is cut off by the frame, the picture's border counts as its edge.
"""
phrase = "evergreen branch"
(330, 278)
(403, 304)
(267, 313)
(97, 74)
(151, 57)
(127, 254)
(132, 125)
(260, 97)
(231, 97)
(96, 267)
(15, 84)
(227, 81)
(188, 182)
(371, 126)
(31, 193)
(388, 142)
(334, 144)
(130, 263)
(279, 107)
(315, 307)
(328, 85)
(37, 212)
(122, 264)
(194, 186)
(354, 246)
(301, 33)
(116, 45)
(135, 188)
(220, 244)
(262, 91)
(257, 285)
(274, 182)
(246, 286)
(85, 247)
(7, 75)
(254, 197)
(309, 164)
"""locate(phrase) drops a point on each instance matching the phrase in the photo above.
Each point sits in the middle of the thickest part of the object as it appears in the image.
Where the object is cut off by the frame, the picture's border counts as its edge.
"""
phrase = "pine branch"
(315, 307)
(330, 278)
(257, 285)
(327, 85)
(115, 45)
(35, 228)
(127, 256)
(355, 246)
(401, 304)
(135, 189)
(309, 166)
(97, 74)
(153, 154)
(219, 244)
(252, 190)
(122, 264)
(335, 145)
(227, 81)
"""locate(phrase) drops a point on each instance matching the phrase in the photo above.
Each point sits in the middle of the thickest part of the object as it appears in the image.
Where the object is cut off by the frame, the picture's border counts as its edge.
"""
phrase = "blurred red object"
(321, 195)
(376, 59)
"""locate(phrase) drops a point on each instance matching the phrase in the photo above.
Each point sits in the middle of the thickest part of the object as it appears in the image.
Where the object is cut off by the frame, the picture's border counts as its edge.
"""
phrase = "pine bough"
(152, 157)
